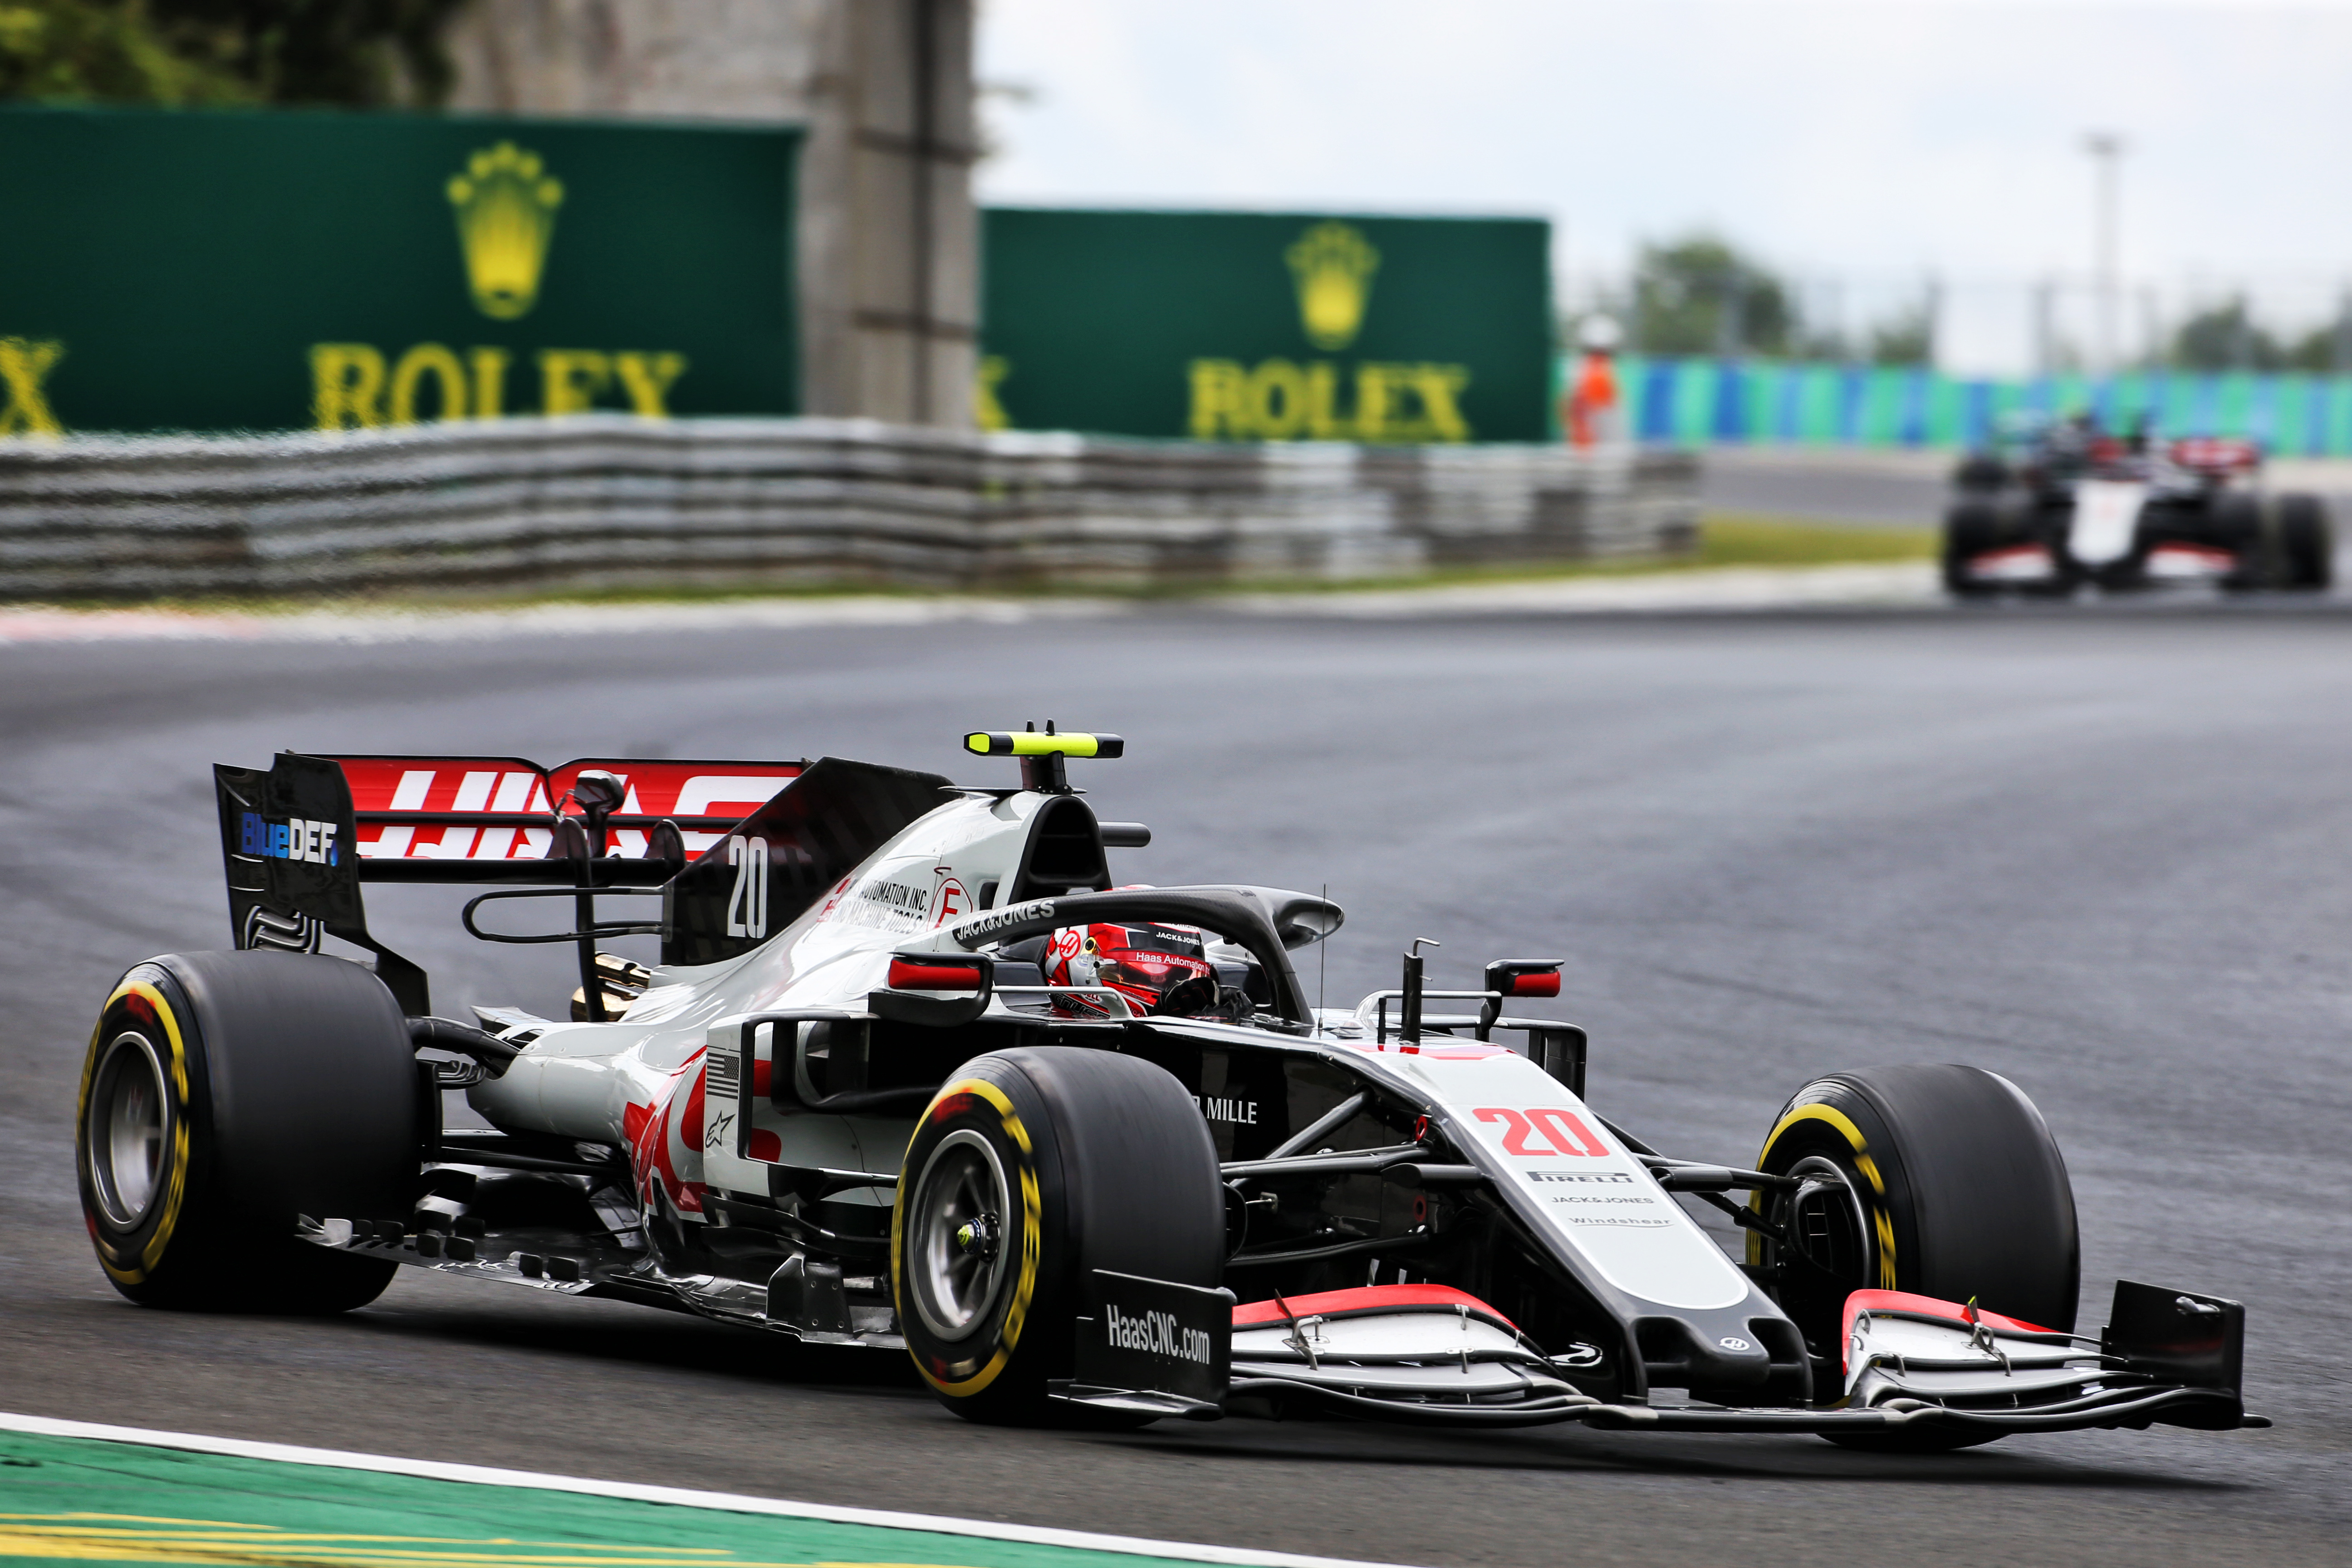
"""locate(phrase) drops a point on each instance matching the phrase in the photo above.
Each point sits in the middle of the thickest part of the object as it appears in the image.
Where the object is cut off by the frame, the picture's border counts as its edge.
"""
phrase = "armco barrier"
(608, 500)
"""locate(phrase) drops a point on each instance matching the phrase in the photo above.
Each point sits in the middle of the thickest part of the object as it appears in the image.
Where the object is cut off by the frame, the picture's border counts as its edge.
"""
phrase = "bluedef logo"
(296, 838)
(1157, 1333)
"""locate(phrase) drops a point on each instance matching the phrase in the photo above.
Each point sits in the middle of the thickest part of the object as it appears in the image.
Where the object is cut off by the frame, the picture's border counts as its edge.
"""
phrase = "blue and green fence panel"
(1707, 401)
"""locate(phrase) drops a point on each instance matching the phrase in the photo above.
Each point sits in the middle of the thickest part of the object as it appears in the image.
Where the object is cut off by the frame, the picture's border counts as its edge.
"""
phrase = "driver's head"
(1162, 969)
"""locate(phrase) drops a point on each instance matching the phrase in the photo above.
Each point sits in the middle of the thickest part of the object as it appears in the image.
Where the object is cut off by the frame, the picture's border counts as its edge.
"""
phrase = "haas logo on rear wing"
(500, 808)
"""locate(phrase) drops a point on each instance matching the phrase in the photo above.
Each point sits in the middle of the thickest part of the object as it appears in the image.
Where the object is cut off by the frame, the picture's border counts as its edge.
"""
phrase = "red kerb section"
(1362, 1299)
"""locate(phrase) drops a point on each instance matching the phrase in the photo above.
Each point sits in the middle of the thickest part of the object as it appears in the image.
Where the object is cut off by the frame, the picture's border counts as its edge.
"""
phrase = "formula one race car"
(2055, 507)
(913, 1074)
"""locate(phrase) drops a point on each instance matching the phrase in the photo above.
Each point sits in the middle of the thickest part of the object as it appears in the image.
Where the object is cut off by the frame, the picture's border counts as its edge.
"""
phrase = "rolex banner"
(1261, 327)
(209, 271)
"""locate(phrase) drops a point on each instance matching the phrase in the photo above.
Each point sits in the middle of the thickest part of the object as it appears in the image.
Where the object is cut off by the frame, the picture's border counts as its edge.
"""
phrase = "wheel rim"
(129, 1118)
(955, 1248)
(1827, 1222)
(1830, 1252)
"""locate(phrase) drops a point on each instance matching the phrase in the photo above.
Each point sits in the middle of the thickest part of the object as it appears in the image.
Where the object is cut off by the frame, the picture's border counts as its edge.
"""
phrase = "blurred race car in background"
(2052, 507)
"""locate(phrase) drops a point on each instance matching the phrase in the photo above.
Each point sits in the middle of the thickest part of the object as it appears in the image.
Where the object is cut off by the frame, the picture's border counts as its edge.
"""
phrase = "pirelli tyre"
(1939, 1179)
(2307, 542)
(226, 1093)
(1030, 1169)
(2237, 523)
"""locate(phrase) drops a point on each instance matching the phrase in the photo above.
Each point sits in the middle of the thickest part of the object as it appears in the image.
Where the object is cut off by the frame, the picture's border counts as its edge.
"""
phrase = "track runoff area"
(78, 1491)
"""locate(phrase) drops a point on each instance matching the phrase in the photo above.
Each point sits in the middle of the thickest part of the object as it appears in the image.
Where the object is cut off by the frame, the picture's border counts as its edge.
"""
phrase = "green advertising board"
(199, 270)
(1267, 327)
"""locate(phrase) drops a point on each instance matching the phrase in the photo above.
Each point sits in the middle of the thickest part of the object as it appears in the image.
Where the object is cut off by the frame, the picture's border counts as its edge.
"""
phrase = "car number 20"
(1541, 1131)
(747, 906)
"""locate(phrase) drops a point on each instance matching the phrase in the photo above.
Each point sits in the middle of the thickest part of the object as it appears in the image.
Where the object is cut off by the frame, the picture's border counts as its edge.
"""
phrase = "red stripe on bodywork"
(1926, 1307)
(1362, 1299)
(905, 976)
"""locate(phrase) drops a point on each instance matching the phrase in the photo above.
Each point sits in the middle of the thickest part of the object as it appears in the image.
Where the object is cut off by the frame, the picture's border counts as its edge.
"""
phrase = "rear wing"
(2218, 455)
(737, 850)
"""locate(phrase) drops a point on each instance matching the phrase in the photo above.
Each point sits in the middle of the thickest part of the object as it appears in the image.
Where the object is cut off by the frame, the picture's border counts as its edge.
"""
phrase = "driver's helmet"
(1159, 968)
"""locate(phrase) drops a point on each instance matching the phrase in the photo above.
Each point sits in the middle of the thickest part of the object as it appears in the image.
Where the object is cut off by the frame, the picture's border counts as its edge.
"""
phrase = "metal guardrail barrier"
(599, 501)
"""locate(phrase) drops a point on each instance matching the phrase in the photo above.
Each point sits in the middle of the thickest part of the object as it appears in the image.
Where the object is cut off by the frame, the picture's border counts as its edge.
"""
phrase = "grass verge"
(1738, 539)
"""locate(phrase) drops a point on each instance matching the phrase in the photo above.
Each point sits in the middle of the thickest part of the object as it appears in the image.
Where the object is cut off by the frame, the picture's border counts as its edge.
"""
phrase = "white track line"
(1721, 589)
(1718, 589)
(728, 1502)
(363, 624)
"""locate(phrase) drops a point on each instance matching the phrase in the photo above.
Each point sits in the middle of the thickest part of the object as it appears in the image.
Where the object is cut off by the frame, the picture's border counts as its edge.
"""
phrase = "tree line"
(1702, 295)
(225, 53)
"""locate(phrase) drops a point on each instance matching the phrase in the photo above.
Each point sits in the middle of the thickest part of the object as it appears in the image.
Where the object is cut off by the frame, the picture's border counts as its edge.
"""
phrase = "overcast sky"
(1876, 141)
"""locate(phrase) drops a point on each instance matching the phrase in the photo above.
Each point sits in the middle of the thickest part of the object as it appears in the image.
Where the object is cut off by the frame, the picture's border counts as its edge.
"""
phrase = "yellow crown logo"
(1333, 266)
(506, 215)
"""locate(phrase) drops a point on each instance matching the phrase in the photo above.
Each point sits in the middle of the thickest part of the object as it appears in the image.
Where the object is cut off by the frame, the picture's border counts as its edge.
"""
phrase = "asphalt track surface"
(1899, 489)
(2103, 853)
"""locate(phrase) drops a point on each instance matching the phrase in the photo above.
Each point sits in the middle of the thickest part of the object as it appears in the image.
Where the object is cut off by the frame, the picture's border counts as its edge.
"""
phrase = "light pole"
(2106, 150)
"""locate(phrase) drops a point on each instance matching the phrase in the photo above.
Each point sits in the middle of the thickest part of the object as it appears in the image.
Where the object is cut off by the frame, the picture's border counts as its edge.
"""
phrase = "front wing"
(1913, 1363)
(1426, 1356)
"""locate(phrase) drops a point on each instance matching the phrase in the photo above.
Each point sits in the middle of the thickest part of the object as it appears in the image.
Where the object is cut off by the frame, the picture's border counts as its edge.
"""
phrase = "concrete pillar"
(887, 240)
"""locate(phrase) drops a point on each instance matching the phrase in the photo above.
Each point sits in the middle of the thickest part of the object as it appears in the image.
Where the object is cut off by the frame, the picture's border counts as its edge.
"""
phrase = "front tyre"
(1971, 527)
(225, 1093)
(2307, 542)
(1942, 1181)
(1031, 1169)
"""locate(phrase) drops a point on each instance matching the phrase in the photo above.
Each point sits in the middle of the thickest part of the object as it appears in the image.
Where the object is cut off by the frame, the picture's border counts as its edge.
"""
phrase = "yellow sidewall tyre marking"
(958, 1384)
(1881, 1221)
(133, 1268)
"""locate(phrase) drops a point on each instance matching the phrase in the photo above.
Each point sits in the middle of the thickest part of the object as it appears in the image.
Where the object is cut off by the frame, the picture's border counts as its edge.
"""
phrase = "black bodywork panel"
(288, 844)
(786, 855)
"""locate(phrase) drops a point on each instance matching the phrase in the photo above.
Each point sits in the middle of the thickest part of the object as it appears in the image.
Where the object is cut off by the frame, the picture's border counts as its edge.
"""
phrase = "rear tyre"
(1971, 528)
(224, 1094)
(2307, 542)
(1943, 1181)
(1031, 1168)
(2237, 526)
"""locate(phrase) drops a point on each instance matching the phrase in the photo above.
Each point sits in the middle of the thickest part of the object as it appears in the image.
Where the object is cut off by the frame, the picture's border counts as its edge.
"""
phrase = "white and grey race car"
(913, 1074)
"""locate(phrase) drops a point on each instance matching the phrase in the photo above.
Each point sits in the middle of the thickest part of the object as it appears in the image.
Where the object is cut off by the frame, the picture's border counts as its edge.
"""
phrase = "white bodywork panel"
(2016, 563)
(2105, 521)
(638, 1083)
(2189, 563)
(1597, 1199)
(1446, 1354)
(1904, 1357)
